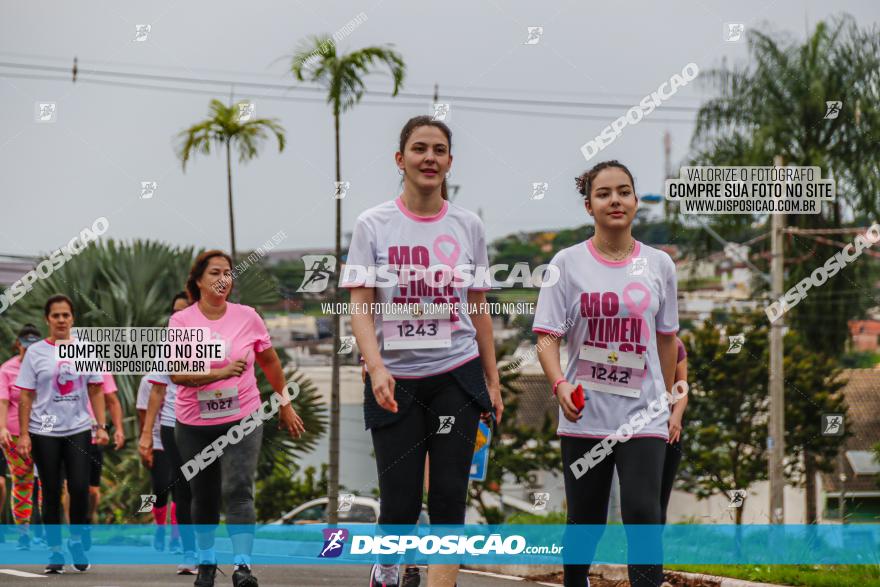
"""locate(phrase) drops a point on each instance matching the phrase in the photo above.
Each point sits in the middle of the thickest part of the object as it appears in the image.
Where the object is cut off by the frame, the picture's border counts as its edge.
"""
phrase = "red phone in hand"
(577, 397)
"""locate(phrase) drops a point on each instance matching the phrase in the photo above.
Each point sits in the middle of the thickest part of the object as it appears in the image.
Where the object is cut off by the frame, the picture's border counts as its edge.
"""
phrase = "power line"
(428, 97)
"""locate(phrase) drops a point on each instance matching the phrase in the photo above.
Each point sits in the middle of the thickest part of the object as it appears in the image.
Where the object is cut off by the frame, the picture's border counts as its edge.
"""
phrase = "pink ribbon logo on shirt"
(441, 255)
(637, 309)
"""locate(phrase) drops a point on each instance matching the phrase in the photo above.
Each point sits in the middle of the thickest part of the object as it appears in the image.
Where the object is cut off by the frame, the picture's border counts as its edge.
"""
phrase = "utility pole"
(776, 437)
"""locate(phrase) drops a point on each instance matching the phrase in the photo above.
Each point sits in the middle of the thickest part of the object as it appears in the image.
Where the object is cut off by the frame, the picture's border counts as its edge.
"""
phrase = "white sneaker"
(384, 576)
(189, 566)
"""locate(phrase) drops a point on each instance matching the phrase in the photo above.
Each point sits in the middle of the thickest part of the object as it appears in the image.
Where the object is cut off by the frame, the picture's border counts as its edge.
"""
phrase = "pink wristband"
(556, 384)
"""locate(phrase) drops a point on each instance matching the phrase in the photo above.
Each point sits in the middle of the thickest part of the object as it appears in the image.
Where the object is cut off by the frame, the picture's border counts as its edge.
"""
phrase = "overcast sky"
(59, 177)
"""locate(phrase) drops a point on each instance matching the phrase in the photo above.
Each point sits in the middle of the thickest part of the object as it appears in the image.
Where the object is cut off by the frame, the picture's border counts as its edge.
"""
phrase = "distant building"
(857, 462)
(864, 334)
(13, 268)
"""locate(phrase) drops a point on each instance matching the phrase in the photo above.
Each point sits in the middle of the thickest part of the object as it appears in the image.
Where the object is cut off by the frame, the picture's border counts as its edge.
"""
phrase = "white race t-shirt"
(166, 414)
(389, 236)
(142, 402)
(61, 405)
(610, 313)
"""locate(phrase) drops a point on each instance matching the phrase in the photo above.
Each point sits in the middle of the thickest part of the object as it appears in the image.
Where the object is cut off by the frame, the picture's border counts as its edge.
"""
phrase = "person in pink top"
(210, 406)
(22, 469)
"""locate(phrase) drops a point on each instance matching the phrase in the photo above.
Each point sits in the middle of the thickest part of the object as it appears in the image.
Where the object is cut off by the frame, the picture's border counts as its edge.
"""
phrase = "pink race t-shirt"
(244, 335)
(8, 391)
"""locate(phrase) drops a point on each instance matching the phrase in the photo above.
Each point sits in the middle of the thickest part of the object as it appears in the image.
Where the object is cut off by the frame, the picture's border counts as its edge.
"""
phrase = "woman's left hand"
(497, 403)
(290, 421)
(674, 428)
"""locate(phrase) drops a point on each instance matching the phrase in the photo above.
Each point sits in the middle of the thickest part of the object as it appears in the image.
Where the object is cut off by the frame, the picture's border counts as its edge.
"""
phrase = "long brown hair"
(414, 123)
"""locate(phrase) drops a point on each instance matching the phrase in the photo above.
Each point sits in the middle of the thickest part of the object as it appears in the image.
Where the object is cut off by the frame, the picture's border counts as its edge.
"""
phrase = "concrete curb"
(616, 573)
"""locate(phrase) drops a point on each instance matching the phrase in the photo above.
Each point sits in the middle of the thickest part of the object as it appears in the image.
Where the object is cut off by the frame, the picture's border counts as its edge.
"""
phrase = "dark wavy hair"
(198, 269)
(584, 182)
(54, 300)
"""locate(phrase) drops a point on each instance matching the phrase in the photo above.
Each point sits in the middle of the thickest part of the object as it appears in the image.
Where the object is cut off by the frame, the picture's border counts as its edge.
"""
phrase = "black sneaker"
(24, 542)
(242, 577)
(206, 575)
(56, 564)
(411, 577)
(78, 554)
(379, 583)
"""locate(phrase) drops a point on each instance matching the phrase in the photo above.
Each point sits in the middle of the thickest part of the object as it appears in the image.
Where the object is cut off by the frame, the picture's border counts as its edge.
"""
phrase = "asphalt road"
(269, 576)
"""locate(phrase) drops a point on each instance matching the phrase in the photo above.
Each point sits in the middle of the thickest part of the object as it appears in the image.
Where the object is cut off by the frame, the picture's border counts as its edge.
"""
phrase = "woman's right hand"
(563, 396)
(145, 448)
(383, 389)
(23, 446)
(5, 436)
(234, 368)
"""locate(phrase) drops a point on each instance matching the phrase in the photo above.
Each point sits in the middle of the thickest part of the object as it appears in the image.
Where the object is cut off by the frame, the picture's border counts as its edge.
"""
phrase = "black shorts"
(2, 464)
(96, 464)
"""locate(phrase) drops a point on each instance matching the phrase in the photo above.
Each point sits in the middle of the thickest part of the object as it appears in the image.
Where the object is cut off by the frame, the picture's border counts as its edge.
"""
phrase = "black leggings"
(160, 477)
(179, 488)
(53, 456)
(639, 464)
(670, 468)
(401, 447)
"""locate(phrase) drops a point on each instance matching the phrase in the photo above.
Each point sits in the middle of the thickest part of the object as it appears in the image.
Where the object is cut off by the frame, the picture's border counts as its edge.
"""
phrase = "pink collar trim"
(49, 341)
(609, 263)
(410, 215)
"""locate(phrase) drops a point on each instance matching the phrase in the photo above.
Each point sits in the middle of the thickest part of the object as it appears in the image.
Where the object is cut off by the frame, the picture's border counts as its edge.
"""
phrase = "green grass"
(806, 575)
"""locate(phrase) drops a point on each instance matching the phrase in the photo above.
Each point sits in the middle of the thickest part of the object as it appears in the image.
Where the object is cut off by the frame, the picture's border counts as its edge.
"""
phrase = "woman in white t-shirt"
(429, 380)
(159, 452)
(616, 305)
(56, 428)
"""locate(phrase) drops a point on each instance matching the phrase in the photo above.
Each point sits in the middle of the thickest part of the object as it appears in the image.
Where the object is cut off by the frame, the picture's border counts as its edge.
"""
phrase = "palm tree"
(131, 284)
(776, 105)
(341, 74)
(226, 126)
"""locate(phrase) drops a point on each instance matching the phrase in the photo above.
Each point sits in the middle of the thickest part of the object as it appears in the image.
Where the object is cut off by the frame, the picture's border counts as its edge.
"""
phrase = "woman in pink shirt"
(22, 469)
(223, 405)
